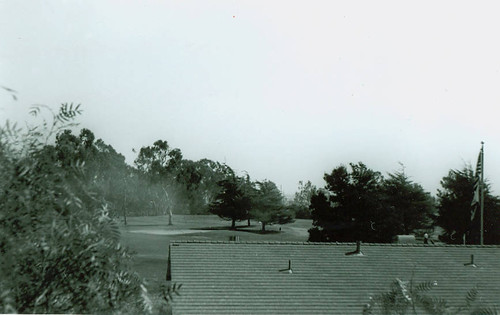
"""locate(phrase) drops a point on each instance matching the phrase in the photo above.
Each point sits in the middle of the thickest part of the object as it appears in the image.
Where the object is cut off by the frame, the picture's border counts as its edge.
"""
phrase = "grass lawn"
(149, 238)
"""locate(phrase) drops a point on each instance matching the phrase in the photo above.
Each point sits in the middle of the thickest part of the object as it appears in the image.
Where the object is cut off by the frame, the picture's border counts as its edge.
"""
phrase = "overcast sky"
(285, 90)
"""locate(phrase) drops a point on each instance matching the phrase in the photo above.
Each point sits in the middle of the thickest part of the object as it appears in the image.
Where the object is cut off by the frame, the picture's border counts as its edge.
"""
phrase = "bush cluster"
(59, 248)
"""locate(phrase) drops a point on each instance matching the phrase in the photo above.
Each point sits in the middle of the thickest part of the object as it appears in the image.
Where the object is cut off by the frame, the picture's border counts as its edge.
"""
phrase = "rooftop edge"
(327, 243)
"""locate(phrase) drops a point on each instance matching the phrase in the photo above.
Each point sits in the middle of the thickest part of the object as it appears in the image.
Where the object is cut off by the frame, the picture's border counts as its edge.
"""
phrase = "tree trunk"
(233, 224)
(170, 217)
(263, 226)
(125, 210)
(248, 222)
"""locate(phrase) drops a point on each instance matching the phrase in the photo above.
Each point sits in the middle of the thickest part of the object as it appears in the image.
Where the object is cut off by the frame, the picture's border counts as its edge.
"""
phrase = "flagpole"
(481, 184)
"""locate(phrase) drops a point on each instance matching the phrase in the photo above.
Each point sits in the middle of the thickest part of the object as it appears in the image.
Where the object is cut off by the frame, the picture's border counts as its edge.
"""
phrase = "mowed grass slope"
(149, 238)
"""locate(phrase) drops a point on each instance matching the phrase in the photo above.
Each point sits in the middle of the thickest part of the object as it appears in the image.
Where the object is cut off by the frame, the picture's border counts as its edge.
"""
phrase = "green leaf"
(425, 286)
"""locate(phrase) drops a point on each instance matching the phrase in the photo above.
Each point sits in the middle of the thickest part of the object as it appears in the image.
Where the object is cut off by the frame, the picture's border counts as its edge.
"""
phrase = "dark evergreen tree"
(268, 205)
(411, 208)
(361, 205)
(350, 207)
(231, 203)
(454, 205)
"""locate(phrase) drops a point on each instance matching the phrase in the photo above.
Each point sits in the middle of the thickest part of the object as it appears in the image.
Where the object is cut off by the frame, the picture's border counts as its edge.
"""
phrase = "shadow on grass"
(260, 231)
(238, 228)
(144, 224)
(222, 228)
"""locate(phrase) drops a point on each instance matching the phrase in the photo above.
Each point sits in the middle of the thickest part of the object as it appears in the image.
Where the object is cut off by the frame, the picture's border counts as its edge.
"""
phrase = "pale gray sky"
(286, 90)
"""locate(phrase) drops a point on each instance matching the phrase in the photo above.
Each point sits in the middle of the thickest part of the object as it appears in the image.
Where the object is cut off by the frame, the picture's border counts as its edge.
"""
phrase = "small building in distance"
(405, 239)
(320, 278)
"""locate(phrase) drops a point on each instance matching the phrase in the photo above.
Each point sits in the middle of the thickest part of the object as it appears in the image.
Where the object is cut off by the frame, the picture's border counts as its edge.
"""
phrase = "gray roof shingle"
(245, 278)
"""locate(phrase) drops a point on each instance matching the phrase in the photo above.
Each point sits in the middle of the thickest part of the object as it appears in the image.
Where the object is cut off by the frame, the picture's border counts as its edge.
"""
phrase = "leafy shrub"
(409, 297)
(59, 248)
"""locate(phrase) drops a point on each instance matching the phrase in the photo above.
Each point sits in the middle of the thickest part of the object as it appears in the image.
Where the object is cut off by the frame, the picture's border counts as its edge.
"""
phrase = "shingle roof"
(245, 277)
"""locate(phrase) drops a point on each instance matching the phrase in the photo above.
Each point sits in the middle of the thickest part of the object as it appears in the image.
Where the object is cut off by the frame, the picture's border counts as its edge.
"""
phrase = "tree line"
(359, 204)
(160, 180)
(356, 203)
(163, 182)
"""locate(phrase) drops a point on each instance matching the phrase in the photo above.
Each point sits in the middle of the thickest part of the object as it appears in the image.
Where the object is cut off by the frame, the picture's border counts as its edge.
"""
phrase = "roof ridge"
(329, 243)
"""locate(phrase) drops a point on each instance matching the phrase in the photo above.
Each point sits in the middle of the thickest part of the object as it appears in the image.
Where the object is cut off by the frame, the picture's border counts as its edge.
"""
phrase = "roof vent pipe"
(357, 252)
(471, 262)
(289, 270)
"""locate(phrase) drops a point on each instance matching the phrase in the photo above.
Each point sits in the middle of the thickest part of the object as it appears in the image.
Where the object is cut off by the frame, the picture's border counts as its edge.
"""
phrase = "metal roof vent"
(472, 264)
(289, 269)
(357, 252)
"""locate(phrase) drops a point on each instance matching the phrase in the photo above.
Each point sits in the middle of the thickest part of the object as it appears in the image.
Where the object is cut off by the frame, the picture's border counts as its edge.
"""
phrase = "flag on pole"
(477, 185)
